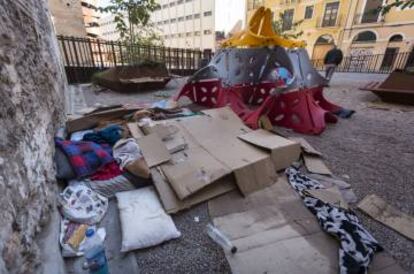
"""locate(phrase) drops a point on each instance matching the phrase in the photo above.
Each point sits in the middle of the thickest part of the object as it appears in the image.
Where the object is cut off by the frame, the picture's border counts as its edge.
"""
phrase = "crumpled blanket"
(126, 151)
(85, 157)
(107, 172)
(110, 135)
(357, 245)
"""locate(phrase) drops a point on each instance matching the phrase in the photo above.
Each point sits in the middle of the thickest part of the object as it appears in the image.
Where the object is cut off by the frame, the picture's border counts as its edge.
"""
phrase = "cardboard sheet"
(219, 139)
(91, 120)
(378, 209)
(164, 130)
(275, 233)
(227, 116)
(136, 132)
(154, 150)
(283, 152)
(306, 146)
(171, 202)
(192, 171)
(330, 195)
(315, 164)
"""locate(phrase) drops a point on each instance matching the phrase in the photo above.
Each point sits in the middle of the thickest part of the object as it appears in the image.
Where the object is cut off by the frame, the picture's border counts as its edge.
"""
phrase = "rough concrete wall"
(31, 107)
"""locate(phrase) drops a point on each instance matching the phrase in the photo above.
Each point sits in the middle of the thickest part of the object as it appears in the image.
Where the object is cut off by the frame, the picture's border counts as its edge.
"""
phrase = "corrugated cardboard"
(136, 132)
(153, 149)
(164, 130)
(315, 164)
(173, 204)
(275, 233)
(194, 170)
(330, 195)
(219, 138)
(306, 146)
(169, 132)
(282, 151)
(227, 116)
(91, 120)
(378, 209)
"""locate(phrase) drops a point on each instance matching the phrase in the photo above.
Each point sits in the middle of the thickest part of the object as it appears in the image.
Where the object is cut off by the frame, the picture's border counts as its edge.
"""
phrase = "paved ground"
(373, 151)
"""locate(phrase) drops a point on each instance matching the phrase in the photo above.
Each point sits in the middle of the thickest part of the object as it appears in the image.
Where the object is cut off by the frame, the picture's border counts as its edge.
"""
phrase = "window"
(197, 33)
(207, 32)
(181, 35)
(196, 16)
(331, 13)
(165, 6)
(173, 20)
(365, 37)
(287, 19)
(188, 1)
(180, 19)
(172, 4)
(165, 22)
(180, 2)
(308, 12)
(188, 34)
(188, 17)
(396, 38)
(371, 12)
(208, 13)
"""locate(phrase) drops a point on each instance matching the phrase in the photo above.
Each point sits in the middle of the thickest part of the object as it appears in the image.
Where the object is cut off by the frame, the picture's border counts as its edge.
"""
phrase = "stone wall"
(31, 108)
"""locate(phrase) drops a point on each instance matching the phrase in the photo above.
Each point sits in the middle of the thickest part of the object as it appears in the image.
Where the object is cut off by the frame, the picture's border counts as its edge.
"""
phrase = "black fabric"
(137, 181)
(64, 169)
(357, 245)
(334, 56)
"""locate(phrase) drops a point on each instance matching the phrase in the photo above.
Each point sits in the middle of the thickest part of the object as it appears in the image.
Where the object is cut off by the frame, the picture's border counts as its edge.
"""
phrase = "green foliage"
(403, 4)
(132, 19)
(292, 33)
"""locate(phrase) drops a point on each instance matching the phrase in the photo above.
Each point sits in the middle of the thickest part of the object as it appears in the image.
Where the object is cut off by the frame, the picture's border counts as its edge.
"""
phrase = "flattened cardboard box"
(282, 151)
(153, 150)
(275, 233)
(378, 209)
(192, 171)
(219, 139)
(91, 120)
(170, 200)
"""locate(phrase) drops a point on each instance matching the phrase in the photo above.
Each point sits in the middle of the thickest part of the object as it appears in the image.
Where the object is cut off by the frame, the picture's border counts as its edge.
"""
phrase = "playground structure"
(259, 73)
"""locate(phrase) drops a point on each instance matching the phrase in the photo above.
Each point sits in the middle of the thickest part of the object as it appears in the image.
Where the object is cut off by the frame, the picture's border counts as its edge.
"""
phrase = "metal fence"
(374, 63)
(83, 57)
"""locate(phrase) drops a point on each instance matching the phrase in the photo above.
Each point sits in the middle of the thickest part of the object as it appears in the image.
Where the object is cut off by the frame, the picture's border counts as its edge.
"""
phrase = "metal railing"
(82, 57)
(374, 63)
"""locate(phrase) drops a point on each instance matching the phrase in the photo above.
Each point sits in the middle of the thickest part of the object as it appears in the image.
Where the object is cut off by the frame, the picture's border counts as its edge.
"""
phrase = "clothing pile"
(98, 161)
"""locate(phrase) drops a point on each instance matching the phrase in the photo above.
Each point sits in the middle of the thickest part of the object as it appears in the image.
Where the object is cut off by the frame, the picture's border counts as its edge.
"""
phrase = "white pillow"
(144, 222)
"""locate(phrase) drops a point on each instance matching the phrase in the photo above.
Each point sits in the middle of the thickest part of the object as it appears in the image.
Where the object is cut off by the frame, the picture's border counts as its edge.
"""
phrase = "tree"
(403, 4)
(292, 32)
(132, 18)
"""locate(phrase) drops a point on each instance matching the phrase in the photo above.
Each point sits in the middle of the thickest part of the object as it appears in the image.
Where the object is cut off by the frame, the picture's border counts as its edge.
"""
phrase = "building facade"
(67, 17)
(75, 18)
(353, 25)
(186, 23)
(195, 24)
(91, 18)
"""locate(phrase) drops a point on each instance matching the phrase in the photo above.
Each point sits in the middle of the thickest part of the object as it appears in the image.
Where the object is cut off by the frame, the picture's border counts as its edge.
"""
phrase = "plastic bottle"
(95, 256)
(221, 239)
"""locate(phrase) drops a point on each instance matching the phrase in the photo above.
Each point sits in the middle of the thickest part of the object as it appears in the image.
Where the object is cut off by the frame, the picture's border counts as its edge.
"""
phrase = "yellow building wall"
(312, 28)
(348, 26)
